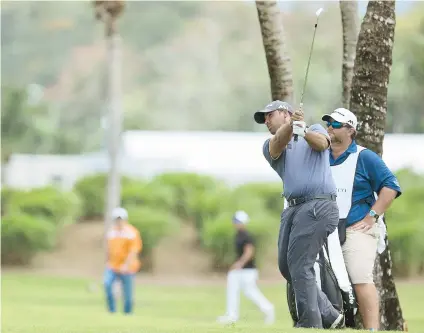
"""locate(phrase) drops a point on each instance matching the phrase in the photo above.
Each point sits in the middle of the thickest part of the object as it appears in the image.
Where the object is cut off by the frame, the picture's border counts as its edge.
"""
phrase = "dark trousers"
(303, 231)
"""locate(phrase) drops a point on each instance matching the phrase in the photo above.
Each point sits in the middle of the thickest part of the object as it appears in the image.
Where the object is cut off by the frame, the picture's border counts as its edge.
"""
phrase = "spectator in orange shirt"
(123, 246)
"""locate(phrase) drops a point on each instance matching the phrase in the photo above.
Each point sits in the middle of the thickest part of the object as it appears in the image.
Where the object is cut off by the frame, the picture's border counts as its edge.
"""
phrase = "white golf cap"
(119, 213)
(241, 217)
(342, 115)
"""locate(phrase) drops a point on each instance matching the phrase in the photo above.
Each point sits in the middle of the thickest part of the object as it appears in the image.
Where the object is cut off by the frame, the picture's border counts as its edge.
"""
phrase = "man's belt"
(301, 200)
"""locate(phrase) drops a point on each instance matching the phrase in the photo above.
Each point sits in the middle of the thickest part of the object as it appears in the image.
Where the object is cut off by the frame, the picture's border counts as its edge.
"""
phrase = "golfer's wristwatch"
(374, 214)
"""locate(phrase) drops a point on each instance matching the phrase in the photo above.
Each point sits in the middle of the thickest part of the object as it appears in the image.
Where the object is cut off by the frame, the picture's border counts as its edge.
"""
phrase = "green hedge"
(31, 220)
(143, 194)
(218, 237)
(185, 187)
(269, 193)
(153, 225)
(22, 236)
(92, 191)
(157, 206)
(47, 203)
(222, 200)
(405, 226)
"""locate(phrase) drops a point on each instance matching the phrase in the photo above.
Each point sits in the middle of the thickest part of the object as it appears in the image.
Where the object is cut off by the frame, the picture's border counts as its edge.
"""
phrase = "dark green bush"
(185, 187)
(6, 195)
(140, 194)
(209, 205)
(408, 178)
(270, 193)
(218, 238)
(92, 191)
(406, 231)
(22, 236)
(47, 203)
(153, 224)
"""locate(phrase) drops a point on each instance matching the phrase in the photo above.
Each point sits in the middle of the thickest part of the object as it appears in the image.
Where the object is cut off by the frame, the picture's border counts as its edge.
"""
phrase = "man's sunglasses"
(335, 124)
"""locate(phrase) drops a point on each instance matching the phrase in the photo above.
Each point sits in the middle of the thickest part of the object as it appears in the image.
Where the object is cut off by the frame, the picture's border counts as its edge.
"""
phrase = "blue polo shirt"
(371, 176)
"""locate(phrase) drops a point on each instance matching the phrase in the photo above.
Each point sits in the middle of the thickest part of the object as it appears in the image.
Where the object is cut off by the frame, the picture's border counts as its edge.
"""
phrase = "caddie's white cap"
(342, 115)
(241, 217)
(119, 213)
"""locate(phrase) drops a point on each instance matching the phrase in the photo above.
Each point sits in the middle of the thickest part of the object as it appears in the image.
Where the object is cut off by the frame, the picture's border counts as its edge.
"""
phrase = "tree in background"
(277, 58)
(349, 14)
(369, 102)
(108, 12)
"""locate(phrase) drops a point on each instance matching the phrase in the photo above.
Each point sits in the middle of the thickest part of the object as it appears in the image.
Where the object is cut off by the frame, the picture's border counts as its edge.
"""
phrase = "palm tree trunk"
(369, 102)
(371, 73)
(349, 14)
(277, 58)
(108, 12)
(114, 128)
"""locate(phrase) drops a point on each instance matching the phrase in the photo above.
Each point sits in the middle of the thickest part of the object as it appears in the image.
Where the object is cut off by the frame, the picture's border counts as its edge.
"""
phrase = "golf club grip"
(296, 137)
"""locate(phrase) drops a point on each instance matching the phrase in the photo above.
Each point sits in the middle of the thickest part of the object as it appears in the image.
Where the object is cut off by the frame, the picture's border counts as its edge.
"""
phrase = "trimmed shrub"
(408, 178)
(208, 205)
(46, 203)
(92, 191)
(6, 195)
(185, 187)
(270, 193)
(223, 201)
(406, 230)
(22, 236)
(139, 193)
(153, 224)
(218, 238)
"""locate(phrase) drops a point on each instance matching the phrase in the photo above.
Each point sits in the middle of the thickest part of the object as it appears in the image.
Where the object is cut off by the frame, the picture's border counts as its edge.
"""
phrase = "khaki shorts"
(359, 252)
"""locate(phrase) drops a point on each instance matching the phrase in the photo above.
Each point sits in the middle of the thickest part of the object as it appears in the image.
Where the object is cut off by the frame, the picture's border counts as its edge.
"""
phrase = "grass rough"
(40, 304)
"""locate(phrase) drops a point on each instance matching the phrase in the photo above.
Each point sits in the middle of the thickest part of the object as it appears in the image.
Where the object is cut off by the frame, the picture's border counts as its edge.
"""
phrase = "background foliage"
(159, 206)
(191, 60)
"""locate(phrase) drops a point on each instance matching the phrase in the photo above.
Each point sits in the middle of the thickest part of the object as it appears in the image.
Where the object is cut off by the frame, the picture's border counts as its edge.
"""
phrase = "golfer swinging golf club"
(312, 211)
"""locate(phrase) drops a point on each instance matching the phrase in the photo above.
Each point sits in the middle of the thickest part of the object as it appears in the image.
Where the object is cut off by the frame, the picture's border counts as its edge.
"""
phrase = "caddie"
(312, 215)
(360, 176)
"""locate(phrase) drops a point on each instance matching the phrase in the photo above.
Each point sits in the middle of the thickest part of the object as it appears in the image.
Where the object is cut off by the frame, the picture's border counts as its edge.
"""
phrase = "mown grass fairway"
(34, 304)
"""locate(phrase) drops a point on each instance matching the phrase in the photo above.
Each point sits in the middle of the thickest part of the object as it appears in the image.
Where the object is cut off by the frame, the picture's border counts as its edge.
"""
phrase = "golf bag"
(332, 278)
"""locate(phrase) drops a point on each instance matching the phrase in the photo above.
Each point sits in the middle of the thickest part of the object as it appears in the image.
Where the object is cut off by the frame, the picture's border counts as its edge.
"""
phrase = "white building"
(235, 157)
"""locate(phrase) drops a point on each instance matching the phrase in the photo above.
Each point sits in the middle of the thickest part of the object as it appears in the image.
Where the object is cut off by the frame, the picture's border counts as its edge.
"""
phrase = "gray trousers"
(303, 231)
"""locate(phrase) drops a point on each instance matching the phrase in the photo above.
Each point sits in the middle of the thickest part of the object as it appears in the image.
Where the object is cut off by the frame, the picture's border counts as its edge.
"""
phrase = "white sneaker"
(226, 320)
(270, 316)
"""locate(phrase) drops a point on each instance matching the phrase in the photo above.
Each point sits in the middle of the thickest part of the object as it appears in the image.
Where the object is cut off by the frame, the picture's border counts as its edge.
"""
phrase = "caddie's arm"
(279, 141)
(385, 199)
(382, 180)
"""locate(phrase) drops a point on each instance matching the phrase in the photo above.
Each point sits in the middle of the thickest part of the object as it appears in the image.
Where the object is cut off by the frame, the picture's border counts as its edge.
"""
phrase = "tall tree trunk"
(371, 73)
(350, 25)
(108, 12)
(114, 127)
(369, 102)
(277, 58)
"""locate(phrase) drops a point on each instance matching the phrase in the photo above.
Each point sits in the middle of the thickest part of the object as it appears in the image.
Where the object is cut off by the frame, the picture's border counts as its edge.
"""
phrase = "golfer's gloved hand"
(297, 116)
(299, 128)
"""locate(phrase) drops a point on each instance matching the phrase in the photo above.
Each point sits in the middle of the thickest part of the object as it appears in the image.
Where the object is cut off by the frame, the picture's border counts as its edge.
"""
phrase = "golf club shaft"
(307, 71)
